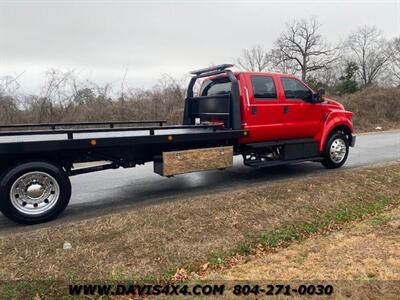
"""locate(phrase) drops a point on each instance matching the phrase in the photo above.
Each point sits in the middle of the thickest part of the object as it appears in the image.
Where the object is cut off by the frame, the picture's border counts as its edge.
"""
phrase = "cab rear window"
(215, 87)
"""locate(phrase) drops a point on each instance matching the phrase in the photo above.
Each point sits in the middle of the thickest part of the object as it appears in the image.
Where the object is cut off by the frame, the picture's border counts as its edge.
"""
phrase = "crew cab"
(267, 118)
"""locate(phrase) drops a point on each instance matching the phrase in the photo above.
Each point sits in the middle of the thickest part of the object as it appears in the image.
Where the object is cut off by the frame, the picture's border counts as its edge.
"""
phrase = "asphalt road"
(113, 190)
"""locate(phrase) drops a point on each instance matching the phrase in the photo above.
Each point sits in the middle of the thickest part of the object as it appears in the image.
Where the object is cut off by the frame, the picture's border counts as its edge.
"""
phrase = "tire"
(34, 192)
(336, 150)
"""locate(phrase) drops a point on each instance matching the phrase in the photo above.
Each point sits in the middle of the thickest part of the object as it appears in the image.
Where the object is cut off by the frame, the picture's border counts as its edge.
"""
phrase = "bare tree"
(122, 97)
(59, 85)
(255, 59)
(302, 44)
(9, 84)
(395, 61)
(280, 64)
(8, 109)
(57, 90)
(370, 51)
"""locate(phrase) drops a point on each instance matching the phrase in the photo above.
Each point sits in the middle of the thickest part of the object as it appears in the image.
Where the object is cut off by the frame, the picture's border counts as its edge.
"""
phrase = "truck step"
(262, 164)
(280, 142)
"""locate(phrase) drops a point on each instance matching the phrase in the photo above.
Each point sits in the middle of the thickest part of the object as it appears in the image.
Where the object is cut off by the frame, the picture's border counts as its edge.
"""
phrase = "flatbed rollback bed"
(36, 160)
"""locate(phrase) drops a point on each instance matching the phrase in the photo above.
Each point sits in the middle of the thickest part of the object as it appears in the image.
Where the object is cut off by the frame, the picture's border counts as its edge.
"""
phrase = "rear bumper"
(353, 140)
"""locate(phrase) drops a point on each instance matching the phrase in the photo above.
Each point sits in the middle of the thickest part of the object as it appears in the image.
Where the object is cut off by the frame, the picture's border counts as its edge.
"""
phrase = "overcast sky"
(100, 39)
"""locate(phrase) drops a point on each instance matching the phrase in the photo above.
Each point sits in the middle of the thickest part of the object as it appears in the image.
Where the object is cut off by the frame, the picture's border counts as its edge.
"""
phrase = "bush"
(164, 101)
(373, 107)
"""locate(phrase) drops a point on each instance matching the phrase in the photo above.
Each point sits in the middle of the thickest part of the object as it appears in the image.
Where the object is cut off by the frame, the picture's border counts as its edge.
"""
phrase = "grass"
(379, 220)
(310, 228)
(156, 241)
(243, 249)
(285, 234)
(216, 258)
(359, 259)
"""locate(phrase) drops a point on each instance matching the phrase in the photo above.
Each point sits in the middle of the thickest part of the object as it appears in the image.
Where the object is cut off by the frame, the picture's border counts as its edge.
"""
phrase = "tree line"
(65, 98)
(365, 59)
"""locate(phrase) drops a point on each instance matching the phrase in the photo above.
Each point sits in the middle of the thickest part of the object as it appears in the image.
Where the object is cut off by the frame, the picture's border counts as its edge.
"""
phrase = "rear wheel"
(34, 192)
(336, 150)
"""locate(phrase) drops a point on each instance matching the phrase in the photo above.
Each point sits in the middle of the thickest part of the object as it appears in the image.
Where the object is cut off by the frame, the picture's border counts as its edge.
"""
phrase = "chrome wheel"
(34, 193)
(338, 150)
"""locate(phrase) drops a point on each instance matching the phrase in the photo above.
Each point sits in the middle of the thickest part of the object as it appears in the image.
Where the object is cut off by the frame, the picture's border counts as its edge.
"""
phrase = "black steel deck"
(33, 141)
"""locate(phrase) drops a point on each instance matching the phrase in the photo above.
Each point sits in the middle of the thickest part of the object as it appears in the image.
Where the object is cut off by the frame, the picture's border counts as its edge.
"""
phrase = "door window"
(294, 89)
(263, 88)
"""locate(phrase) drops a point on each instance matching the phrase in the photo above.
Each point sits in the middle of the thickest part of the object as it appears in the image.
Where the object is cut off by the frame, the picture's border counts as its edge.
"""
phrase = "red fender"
(334, 118)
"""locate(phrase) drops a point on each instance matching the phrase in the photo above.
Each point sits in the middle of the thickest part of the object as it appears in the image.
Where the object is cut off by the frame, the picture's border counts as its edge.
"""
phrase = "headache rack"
(225, 107)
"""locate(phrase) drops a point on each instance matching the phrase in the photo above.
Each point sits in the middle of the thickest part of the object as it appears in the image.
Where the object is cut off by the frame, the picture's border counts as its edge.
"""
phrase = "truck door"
(302, 119)
(264, 111)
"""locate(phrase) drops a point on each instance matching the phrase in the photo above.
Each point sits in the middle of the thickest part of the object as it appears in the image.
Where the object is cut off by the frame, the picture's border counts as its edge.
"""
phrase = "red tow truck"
(267, 118)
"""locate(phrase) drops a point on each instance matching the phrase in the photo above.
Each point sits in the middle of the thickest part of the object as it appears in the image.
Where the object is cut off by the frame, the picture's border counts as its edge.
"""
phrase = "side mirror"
(318, 97)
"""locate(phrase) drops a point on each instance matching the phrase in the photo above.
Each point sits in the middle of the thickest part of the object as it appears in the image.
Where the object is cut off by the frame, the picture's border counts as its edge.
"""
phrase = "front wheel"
(336, 150)
(34, 192)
